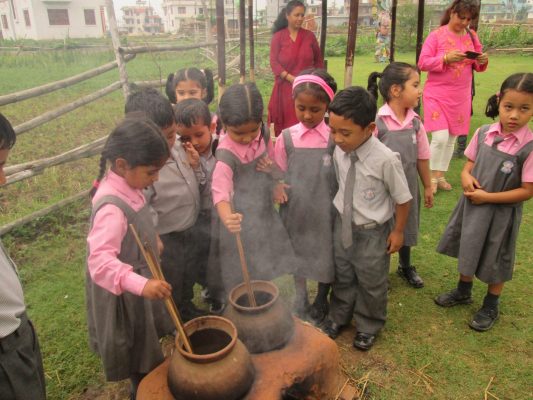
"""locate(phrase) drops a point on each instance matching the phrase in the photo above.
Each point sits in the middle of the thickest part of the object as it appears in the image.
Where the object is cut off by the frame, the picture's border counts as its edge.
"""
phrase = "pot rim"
(256, 285)
(201, 323)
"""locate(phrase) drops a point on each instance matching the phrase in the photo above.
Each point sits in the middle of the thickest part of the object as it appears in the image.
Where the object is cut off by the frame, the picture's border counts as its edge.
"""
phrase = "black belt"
(10, 341)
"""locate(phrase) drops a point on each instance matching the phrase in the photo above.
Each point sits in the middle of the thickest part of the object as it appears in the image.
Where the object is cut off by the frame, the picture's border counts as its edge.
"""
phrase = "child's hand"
(428, 197)
(477, 196)
(469, 183)
(156, 289)
(265, 164)
(233, 222)
(160, 245)
(394, 242)
(280, 195)
(192, 155)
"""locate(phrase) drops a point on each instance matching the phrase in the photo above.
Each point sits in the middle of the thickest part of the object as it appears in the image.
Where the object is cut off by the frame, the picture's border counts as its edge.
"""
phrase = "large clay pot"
(265, 327)
(220, 368)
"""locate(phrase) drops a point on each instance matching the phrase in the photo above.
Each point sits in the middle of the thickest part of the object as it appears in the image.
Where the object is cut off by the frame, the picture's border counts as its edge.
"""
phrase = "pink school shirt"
(511, 143)
(222, 184)
(447, 91)
(302, 137)
(391, 121)
(105, 238)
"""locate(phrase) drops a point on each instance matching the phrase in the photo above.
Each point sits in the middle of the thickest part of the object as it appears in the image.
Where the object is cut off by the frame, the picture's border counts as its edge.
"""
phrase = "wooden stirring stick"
(244, 267)
(155, 269)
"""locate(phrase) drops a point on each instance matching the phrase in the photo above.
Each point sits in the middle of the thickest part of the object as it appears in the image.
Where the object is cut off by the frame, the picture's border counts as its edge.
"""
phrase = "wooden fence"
(19, 172)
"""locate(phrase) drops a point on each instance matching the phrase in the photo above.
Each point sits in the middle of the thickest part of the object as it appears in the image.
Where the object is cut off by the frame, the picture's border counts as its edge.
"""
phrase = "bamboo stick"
(155, 269)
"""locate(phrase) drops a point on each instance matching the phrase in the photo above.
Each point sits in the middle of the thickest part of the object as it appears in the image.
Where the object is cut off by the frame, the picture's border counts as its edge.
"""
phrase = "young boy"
(372, 191)
(21, 365)
(196, 126)
(175, 198)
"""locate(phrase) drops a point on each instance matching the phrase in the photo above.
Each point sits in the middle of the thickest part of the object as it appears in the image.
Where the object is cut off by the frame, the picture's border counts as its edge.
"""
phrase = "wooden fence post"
(113, 29)
(350, 45)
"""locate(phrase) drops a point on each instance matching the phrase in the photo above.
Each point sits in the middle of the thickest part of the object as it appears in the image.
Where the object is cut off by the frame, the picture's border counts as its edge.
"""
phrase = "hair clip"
(96, 184)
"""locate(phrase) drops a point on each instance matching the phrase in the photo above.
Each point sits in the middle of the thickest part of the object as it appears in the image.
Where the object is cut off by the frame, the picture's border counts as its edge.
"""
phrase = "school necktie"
(497, 141)
(348, 203)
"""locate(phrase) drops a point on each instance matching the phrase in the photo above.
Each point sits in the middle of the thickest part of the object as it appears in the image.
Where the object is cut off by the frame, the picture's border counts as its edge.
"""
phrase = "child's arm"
(156, 289)
(523, 193)
(395, 239)
(231, 220)
(425, 177)
(468, 182)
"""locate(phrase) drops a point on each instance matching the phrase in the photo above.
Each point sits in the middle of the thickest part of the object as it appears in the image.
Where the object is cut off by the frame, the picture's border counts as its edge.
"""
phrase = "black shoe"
(317, 312)
(217, 307)
(330, 328)
(484, 319)
(458, 154)
(364, 341)
(411, 276)
(189, 311)
(453, 298)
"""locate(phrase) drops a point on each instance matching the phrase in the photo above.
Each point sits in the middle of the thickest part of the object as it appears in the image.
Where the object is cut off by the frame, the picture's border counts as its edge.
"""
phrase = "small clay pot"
(268, 326)
(220, 368)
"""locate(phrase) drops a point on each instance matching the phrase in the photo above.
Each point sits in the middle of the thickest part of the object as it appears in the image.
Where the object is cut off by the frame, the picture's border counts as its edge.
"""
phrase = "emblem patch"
(507, 167)
(369, 194)
(326, 160)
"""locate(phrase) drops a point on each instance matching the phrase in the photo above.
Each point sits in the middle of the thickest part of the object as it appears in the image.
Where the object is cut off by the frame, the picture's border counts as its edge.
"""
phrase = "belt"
(364, 227)
(10, 341)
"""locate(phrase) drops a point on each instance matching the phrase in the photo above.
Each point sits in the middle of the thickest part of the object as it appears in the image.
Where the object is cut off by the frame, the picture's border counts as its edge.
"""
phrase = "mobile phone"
(472, 55)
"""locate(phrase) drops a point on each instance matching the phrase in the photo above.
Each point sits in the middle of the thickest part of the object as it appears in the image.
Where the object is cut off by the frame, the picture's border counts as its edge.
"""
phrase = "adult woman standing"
(447, 93)
(292, 50)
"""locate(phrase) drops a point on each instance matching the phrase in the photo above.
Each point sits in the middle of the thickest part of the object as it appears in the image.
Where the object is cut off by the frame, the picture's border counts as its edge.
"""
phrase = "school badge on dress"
(369, 194)
(507, 167)
(326, 160)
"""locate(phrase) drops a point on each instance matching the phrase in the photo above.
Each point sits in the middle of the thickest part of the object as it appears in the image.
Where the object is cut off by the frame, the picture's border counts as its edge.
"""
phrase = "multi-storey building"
(180, 15)
(141, 19)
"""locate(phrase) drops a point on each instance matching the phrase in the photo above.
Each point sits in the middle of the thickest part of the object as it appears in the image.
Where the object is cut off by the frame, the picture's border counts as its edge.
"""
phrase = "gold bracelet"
(445, 58)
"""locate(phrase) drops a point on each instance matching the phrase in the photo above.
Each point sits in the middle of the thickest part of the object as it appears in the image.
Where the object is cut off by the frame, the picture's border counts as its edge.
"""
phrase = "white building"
(181, 15)
(141, 19)
(47, 19)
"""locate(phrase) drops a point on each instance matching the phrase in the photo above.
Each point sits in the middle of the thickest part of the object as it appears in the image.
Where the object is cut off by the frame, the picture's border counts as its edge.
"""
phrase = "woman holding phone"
(449, 55)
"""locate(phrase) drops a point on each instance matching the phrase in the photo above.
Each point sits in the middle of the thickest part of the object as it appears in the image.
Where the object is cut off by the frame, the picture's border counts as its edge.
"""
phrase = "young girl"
(496, 179)
(243, 175)
(304, 154)
(124, 321)
(190, 83)
(399, 127)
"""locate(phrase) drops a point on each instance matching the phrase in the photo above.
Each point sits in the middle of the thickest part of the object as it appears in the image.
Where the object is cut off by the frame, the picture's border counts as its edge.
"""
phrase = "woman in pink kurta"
(447, 95)
(292, 50)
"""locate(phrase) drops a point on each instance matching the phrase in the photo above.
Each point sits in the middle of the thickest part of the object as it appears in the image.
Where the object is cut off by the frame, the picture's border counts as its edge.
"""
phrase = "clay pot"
(268, 326)
(220, 368)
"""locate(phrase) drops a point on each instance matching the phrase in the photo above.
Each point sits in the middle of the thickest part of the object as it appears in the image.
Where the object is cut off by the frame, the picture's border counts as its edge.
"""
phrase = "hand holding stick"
(155, 269)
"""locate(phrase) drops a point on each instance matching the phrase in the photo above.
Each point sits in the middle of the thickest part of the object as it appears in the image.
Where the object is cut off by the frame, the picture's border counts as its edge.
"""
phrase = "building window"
(90, 17)
(27, 17)
(182, 10)
(201, 11)
(4, 22)
(58, 17)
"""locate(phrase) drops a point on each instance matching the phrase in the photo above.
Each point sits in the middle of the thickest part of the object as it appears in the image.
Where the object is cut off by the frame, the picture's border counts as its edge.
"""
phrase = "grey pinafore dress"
(308, 214)
(483, 237)
(267, 247)
(124, 330)
(404, 142)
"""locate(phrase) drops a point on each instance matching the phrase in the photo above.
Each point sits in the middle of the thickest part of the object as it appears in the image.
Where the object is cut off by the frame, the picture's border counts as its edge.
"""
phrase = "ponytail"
(491, 110)
(101, 172)
(170, 88)
(210, 86)
(372, 85)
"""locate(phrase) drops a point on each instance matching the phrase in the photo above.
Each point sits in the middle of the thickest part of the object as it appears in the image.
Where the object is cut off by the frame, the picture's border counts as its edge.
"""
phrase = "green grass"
(51, 251)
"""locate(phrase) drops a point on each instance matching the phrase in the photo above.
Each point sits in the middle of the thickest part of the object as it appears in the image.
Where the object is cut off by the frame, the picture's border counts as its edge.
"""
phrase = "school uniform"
(266, 244)
(483, 237)
(124, 327)
(175, 203)
(305, 155)
(409, 139)
(21, 365)
(361, 270)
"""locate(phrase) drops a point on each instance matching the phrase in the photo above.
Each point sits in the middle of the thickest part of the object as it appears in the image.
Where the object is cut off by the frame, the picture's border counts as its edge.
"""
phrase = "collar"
(520, 135)
(364, 150)
(120, 185)
(321, 129)
(387, 111)
(242, 149)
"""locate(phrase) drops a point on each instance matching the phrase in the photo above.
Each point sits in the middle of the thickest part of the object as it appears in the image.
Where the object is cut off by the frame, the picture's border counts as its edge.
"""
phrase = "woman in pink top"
(242, 193)
(399, 127)
(447, 94)
(124, 320)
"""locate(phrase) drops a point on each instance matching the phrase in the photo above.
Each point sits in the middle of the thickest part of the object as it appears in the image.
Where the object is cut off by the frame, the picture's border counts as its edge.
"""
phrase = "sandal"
(434, 185)
(443, 184)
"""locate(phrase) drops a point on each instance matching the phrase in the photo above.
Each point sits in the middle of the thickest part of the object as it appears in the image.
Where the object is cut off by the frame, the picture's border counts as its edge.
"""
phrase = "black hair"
(136, 139)
(315, 89)
(461, 7)
(281, 21)
(356, 104)
(396, 73)
(203, 77)
(521, 82)
(7, 134)
(192, 111)
(151, 102)
(241, 103)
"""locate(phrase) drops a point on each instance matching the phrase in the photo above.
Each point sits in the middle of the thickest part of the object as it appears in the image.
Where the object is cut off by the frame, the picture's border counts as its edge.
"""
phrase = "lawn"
(424, 351)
